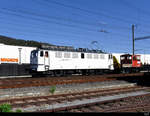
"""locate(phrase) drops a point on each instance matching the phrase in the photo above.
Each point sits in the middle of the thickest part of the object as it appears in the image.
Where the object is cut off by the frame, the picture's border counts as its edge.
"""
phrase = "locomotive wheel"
(58, 73)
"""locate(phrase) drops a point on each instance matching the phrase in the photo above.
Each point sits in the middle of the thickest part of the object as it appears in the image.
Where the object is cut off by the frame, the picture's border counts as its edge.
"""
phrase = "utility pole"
(19, 55)
(133, 37)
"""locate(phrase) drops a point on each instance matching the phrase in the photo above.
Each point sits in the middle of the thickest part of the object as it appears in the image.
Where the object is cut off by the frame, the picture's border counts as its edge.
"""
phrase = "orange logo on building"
(9, 60)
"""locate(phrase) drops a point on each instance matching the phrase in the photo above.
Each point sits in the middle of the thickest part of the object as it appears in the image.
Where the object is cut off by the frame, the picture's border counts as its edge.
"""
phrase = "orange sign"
(9, 60)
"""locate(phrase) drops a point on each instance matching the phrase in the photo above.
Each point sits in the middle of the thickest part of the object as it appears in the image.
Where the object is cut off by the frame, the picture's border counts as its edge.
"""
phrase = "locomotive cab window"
(134, 58)
(138, 58)
(41, 53)
(122, 58)
(129, 58)
(82, 55)
(34, 54)
(46, 54)
(110, 56)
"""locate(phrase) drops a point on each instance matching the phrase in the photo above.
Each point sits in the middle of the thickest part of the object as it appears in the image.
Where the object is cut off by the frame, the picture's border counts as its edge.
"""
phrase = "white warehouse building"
(14, 60)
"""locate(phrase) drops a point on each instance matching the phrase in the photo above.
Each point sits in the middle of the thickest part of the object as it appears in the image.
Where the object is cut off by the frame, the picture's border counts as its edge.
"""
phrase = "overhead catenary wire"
(88, 11)
(56, 20)
(42, 31)
(27, 32)
(94, 13)
(141, 38)
(61, 19)
(91, 12)
(134, 7)
(43, 34)
(48, 33)
(46, 20)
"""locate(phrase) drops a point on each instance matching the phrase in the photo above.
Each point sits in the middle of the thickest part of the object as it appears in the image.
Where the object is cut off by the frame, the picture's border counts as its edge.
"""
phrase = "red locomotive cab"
(130, 63)
(136, 61)
(126, 61)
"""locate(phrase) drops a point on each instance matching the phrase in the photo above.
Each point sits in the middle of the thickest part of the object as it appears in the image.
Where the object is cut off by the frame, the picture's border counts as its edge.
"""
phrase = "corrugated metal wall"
(14, 69)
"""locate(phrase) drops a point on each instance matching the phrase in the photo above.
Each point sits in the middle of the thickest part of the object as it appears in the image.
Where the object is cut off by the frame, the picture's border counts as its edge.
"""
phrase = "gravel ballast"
(61, 89)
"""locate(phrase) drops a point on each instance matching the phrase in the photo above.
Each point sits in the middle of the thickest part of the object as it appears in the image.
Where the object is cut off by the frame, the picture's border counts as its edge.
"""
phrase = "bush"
(18, 110)
(5, 108)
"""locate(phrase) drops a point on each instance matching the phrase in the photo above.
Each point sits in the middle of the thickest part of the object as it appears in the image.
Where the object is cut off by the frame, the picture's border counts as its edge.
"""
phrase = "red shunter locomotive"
(130, 63)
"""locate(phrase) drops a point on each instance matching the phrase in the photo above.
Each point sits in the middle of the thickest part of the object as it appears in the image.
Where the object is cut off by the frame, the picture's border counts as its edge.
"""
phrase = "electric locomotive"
(75, 61)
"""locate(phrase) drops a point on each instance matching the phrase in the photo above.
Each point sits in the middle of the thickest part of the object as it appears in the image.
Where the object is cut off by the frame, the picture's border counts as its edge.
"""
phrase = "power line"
(29, 13)
(132, 6)
(39, 19)
(37, 27)
(84, 10)
(141, 38)
(44, 34)
(63, 19)
(45, 18)
(48, 21)
(89, 11)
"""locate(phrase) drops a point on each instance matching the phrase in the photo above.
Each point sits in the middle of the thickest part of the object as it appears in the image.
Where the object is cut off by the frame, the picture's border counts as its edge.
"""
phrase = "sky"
(93, 24)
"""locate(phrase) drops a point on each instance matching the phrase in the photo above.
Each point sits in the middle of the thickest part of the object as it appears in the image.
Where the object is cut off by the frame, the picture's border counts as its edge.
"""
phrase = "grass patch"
(52, 89)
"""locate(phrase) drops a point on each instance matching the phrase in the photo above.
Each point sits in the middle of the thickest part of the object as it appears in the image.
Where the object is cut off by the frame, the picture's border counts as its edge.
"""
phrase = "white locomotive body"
(56, 60)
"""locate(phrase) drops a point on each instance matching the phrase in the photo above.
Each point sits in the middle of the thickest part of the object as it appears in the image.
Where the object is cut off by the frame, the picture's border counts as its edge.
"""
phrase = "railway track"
(45, 81)
(137, 103)
(71, 101)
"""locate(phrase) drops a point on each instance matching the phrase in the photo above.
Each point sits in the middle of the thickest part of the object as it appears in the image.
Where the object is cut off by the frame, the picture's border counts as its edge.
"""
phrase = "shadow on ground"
(140, 80)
